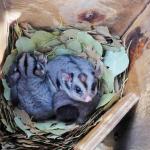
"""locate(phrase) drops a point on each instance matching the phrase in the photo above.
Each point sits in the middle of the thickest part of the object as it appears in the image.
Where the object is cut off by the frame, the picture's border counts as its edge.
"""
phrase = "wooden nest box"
(128, 19)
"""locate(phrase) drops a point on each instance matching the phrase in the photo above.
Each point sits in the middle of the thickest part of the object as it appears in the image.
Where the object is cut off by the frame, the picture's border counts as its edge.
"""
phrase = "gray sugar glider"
(69, 110)
(30, 88)
(65, 86)
(75, 75)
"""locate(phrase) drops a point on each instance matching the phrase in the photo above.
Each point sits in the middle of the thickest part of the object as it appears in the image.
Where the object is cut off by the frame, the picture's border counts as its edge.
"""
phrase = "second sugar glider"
(75, 75)
(69, 110)
(30, 88)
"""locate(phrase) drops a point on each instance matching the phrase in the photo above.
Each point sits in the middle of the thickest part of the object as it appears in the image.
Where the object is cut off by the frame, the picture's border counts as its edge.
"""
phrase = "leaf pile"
(97, 45)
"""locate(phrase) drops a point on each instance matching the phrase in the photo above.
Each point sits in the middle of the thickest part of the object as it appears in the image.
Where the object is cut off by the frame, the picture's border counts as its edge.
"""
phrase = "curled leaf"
(63, 51)
(108, 79)
(103, 30)
(69, 34)
(41, 38)
(88, 40)
(117, 61)
(6, 90)
(24, 128)
(8, 62)
(54, 127)
(24, 44)
(74, 45)
(106, 98)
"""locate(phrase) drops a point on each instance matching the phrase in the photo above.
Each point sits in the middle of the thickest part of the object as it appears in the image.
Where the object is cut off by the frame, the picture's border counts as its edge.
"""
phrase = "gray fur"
(30, 88)
(61, 100)
(68, 64)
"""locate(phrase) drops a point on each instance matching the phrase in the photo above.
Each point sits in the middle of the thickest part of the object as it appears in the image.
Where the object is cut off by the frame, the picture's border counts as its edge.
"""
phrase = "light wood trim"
(109, 120)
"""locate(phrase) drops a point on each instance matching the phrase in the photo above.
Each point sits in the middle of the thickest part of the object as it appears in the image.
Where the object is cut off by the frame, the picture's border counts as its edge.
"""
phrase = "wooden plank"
(117, 14)
(109, 120)
(136, 135)
(138, 36)
(55, 13)
(142, 22)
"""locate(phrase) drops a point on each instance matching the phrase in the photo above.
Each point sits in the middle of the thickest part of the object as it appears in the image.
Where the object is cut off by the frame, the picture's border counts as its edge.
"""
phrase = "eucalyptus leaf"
(106, 98)
(59, 132)
(8, 62)
(69, 34)
(114, 46)
(108, 79)
(113, 100)
(18, 30)
(109, 47)
(23, 127)
(52, 43)
(6, 90)
(55, 127)
(117, 43)
(87, 40)
(63, 51)
(24, 116)
(103, 30)
(98, 48)
(41, 38)
(79, 40)
(74, 45)
(117, 61)
(24, 44)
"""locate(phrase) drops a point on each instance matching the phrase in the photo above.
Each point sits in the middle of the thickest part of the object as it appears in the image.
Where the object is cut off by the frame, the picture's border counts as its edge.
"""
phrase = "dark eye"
(77, 89)
(94, 86)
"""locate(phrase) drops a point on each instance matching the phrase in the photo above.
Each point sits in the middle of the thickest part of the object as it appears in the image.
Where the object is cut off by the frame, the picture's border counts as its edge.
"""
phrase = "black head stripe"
(58, 83)
(26, 64)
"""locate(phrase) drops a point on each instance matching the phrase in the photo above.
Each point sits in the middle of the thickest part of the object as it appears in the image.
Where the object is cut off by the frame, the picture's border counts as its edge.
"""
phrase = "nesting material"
(98, 46)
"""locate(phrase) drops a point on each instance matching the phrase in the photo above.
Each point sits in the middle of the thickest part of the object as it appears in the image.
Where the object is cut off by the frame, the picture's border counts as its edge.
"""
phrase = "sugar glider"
(75, 75)
(69, 110)
(30, 88)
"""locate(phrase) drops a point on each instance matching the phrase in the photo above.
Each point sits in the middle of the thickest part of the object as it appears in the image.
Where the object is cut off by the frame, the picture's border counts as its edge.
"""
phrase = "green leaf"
(23, 127)
(55, 127)
(52, 43)
(117, 61)
(76, 40)
(103, 30)
(6, 90)
(106, 98)
(41, 38)
(59, 132)
(108, 79)
(98, 48)
(74, 45)
(108, 47)
(112, 101)
(24, 44)
(115, 46)
(8, 62)
(18, 30)
(87, 40)
(69, 34)
(62, 51)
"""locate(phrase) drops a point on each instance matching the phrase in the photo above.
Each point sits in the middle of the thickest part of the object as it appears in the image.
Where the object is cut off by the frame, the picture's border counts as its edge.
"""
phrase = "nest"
(18, 130)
